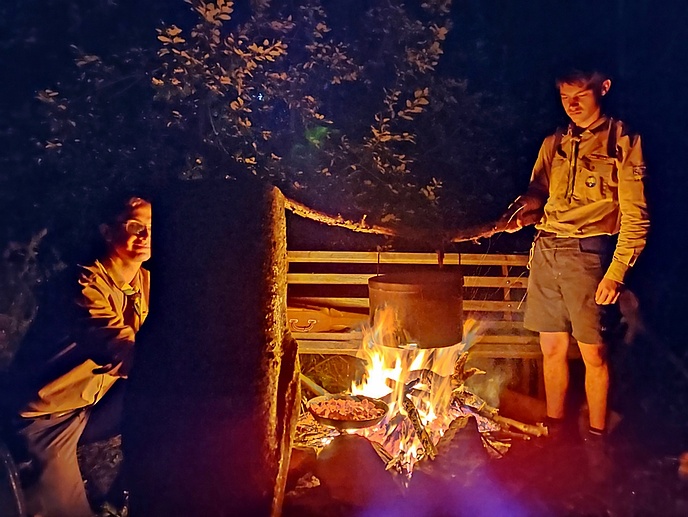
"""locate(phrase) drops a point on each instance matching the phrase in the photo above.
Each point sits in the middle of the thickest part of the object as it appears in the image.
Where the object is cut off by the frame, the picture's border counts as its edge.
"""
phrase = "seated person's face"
(131, 238)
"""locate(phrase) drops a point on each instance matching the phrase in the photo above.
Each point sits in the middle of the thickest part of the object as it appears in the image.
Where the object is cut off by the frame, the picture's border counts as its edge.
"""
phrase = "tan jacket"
(591, 185)
(101, 346)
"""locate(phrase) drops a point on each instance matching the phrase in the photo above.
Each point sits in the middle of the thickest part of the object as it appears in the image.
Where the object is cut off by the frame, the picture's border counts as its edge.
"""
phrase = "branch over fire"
(321, 217)
(485, 231)
(472, 233)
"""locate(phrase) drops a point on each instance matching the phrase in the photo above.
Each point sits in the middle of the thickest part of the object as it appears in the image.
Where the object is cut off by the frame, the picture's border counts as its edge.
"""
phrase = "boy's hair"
(120, 206)
(587, 77)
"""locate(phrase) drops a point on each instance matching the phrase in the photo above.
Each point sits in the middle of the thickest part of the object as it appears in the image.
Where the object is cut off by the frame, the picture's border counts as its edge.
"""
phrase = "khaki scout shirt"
(109, 315)
(592, 184)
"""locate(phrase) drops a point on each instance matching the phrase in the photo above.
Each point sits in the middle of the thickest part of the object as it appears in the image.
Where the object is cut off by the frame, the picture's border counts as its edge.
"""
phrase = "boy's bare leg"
(596, 383)
(554, 346)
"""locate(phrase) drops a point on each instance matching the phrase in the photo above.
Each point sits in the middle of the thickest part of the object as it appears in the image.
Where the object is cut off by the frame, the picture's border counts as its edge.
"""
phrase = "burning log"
(478, 405)
(213, 395)
(468, 399)
(461, 375)
(428, 447)
(456, 425)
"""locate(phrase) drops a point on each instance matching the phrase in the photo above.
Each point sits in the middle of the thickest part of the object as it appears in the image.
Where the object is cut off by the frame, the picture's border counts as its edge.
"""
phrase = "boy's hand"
(526, 210)
(511, 220)
(608, 291)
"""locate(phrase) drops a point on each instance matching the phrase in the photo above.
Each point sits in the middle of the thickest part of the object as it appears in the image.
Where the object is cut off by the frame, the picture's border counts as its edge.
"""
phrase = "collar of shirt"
(133, 294)
(127, 288)
(592, 128)
(592, 138)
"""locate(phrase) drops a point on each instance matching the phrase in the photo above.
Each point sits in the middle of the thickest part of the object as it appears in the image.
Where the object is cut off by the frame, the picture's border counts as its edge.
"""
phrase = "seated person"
(65, 380)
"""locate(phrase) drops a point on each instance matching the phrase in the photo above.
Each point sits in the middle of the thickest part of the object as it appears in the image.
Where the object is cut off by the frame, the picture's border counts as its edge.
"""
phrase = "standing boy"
(587, 194)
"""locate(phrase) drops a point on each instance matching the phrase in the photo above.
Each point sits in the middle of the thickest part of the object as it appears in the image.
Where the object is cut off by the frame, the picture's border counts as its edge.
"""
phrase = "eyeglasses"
(137, 228)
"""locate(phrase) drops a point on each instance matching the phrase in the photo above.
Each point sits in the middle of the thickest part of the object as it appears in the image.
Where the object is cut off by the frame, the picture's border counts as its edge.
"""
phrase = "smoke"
(490, 385)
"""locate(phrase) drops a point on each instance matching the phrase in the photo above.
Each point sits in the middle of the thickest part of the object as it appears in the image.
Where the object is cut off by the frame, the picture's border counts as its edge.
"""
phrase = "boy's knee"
(593, 356)
(554, 346)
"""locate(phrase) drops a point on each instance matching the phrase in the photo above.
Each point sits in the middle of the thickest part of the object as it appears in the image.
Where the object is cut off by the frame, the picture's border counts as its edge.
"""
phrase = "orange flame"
(394, 373)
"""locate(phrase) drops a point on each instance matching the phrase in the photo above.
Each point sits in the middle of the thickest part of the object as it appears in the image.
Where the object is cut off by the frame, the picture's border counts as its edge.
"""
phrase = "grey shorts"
(564, 276)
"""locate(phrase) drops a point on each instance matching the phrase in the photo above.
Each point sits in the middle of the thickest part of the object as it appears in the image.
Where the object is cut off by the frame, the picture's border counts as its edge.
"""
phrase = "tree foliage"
(337, 105)
(350, 107)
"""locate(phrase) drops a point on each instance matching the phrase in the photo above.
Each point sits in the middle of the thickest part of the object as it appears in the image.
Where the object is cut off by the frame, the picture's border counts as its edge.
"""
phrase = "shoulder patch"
(638, 172)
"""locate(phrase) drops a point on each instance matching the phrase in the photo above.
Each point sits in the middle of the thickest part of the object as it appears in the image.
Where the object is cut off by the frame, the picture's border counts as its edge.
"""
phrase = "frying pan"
(324, 396)
(347, 424)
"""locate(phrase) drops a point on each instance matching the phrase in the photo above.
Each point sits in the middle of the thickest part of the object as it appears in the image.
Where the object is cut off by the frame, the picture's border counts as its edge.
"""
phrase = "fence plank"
(388, 257)
(362, 279)
(362, 303)
(502, 351)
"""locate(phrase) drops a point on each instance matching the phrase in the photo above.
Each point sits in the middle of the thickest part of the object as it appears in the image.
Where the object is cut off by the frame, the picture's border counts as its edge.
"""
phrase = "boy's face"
(131, 239)
(582, 101)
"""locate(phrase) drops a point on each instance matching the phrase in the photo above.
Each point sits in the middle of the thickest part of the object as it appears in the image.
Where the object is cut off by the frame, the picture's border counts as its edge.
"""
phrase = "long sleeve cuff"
(617, 271)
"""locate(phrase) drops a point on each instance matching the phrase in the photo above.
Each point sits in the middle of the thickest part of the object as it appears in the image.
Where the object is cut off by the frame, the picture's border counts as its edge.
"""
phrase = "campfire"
(424, 391)
(416, 383)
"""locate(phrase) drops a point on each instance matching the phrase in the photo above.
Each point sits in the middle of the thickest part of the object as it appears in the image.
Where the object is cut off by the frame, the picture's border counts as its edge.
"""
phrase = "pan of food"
(344, 411)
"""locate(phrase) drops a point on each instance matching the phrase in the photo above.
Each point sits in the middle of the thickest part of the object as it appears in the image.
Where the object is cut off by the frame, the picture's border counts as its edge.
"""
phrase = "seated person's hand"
(119, 363)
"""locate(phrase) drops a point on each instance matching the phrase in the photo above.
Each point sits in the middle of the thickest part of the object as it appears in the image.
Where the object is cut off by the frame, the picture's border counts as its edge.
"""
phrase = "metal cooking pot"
(428, 306)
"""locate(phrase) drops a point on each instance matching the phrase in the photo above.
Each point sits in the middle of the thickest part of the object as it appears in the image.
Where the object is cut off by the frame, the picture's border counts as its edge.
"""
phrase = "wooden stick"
(321, 217)
(485, 231)
(433, 237)
(535, 430)
(478, 405)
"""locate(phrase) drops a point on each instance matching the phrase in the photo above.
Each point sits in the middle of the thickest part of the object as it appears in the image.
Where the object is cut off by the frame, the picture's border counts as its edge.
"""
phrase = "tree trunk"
(213, 396)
